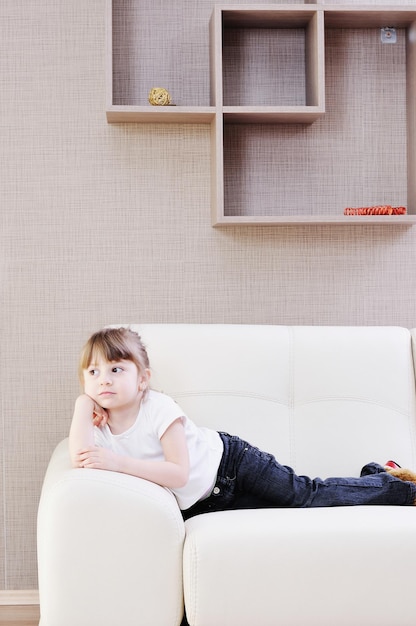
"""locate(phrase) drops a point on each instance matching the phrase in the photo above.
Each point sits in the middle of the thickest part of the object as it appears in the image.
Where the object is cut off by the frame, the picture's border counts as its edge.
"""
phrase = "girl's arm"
(173, 472)
(87, 413)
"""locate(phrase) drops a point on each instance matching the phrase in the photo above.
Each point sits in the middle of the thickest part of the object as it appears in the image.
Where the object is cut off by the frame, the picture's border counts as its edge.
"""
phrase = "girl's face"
(115, 385)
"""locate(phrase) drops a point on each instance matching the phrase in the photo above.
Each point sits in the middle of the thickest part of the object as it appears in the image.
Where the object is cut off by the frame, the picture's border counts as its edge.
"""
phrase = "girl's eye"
(93, 372)
(116, 370)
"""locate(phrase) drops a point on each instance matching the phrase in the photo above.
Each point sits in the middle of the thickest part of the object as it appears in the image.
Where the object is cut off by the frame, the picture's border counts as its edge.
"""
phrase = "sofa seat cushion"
(301, 566)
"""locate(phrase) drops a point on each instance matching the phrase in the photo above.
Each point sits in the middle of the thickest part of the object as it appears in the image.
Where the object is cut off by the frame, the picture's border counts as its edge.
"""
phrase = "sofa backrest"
(324, 400)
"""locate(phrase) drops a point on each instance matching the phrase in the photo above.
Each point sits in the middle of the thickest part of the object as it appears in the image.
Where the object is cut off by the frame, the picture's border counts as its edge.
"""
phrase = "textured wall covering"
(111, 223)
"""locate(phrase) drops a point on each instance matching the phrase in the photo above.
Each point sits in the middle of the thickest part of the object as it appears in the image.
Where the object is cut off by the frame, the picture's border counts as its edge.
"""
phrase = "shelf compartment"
(154, 45)
(270, 59)
(289, 170)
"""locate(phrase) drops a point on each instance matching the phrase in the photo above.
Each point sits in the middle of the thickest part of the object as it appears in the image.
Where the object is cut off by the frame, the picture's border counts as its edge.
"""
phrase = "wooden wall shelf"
(166, 114)
(310, 112)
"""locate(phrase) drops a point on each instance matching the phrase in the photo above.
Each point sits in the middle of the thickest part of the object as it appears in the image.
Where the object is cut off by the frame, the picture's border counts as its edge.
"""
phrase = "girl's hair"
(114, 344)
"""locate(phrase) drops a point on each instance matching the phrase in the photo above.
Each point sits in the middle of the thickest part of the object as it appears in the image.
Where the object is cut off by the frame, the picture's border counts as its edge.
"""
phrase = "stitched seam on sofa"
(410, 403)
(291, 395)
(357, 399)
(234, 393)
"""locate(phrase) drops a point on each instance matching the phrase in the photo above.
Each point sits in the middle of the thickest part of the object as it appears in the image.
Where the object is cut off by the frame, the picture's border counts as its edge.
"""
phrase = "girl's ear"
(144, 380)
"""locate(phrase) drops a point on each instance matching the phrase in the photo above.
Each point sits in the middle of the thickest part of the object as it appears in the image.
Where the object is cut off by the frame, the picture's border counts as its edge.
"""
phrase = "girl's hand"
(88, 407)
(95, 457)
(99, 416)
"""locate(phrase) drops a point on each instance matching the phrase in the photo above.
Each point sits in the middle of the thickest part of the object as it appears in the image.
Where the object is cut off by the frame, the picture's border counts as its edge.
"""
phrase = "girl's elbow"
(182, 478)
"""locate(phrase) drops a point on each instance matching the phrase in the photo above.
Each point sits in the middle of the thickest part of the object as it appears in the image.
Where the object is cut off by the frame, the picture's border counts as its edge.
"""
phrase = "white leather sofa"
(113, 549)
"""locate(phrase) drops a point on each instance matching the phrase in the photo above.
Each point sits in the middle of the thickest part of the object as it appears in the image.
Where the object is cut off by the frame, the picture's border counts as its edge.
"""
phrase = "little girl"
(122, 425)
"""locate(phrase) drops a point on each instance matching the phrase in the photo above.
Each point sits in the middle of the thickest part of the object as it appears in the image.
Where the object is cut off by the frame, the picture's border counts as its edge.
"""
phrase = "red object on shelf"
(384, 209)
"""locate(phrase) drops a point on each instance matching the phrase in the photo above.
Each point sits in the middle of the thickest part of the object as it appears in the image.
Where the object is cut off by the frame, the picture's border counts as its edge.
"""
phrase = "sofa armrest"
(109, 549)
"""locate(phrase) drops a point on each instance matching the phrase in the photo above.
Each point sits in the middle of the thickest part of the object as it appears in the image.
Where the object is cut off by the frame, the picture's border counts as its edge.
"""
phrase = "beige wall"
(103, 224)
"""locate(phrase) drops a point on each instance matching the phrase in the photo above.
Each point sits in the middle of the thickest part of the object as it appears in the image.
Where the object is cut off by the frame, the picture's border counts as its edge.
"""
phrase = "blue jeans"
(251, 479)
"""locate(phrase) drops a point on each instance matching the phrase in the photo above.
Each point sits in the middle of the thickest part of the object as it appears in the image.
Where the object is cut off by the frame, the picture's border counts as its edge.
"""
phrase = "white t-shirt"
(142, 441)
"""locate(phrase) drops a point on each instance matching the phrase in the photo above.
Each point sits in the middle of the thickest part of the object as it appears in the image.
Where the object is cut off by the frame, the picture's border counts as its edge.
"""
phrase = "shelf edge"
(285, 220)
(167, 115)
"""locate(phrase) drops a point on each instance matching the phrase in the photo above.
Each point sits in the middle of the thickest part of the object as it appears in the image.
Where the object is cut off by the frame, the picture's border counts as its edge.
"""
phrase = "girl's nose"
(105, 380)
